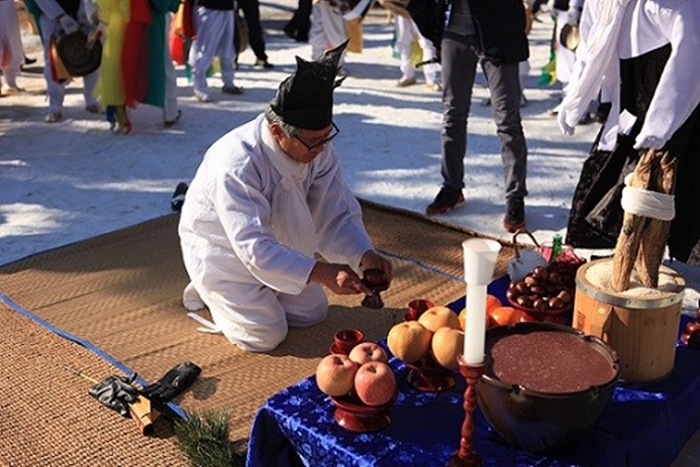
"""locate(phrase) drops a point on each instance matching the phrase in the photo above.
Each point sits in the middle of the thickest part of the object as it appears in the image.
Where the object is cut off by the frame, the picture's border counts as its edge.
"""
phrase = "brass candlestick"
(466, 455)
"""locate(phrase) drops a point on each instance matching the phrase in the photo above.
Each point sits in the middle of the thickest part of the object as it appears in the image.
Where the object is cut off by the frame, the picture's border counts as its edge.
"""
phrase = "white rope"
(647, 203)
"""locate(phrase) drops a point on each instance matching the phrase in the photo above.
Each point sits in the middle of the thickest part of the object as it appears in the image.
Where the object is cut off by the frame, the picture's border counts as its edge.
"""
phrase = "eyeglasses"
(333, 133)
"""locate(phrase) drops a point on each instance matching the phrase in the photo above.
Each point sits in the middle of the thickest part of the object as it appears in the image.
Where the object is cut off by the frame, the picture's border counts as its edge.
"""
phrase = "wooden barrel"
(641, 324)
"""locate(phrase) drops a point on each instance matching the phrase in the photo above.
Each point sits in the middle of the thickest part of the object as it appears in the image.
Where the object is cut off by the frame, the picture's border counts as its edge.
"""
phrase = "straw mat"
(121, 292)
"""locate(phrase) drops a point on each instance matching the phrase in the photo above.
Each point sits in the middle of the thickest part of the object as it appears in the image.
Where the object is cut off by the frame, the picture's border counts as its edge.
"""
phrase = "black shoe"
(178, 198)
(446, 200)
(515, 215)
(260, 63)
(29, 61)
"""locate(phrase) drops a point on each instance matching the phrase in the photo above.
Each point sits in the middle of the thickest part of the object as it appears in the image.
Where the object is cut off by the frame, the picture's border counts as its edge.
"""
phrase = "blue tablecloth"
(644, 425)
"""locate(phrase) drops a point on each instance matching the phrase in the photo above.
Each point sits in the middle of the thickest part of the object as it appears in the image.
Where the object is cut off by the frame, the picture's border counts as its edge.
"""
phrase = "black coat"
(499, 24)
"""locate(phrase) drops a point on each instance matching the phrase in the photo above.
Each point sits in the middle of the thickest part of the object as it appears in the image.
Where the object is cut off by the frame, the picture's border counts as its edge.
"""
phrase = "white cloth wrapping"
(647, 203)
(645, 25)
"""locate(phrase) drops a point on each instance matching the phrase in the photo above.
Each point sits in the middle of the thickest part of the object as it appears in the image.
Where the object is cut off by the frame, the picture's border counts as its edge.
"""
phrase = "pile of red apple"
(364, 372)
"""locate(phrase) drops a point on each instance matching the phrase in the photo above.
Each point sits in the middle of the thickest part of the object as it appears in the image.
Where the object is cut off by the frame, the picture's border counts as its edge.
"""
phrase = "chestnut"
(555, 303)
(530, 281)
(524, 301)
(540, 305)
(564, 296)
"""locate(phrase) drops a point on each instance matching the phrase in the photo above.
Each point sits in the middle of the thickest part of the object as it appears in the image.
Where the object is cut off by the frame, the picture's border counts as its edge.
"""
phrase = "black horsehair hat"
(305, 98)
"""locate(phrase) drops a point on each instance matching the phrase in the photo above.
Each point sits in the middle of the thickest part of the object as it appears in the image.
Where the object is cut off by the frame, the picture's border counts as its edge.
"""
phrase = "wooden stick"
(628, 241)
(653, 242)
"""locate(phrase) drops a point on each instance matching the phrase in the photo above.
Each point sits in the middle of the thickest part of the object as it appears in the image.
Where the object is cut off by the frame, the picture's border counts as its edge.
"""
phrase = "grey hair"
(274, 119)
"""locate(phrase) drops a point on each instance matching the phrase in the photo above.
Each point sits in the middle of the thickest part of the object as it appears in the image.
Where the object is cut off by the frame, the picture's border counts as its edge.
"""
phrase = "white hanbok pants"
(11, 53)
(215, 29)
(252, 316)
(406, 32)
(328, 30)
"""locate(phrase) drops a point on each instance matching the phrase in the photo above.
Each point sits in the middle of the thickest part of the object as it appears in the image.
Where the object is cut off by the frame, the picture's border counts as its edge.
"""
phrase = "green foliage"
(205, 440)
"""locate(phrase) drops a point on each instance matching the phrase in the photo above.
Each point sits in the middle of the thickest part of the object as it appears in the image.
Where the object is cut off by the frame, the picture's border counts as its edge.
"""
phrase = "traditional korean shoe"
(515, 215)
(404, 82)
(446, 200)
(235, 90)
(53, 117)
(169, 123)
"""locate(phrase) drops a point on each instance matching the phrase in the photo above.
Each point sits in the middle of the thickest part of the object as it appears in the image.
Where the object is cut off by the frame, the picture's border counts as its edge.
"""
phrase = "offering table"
(644, 425)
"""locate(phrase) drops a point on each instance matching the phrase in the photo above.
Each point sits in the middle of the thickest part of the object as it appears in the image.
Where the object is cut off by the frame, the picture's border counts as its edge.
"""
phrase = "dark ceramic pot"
(531, 403)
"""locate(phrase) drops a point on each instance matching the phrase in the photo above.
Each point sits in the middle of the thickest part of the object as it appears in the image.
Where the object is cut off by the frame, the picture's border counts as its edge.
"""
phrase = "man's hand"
(372, 259)
(340, 278)
(68, 24)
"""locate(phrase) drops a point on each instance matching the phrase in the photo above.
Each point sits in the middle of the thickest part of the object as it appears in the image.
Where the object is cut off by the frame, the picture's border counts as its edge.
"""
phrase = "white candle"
(475, 333)
(480, 257)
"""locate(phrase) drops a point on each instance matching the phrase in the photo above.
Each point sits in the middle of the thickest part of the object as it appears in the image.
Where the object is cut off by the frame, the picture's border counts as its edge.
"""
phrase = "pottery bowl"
(545, 384)
(353, 415)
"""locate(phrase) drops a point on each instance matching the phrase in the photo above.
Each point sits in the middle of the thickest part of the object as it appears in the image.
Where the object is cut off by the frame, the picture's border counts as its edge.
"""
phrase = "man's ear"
(276, 131)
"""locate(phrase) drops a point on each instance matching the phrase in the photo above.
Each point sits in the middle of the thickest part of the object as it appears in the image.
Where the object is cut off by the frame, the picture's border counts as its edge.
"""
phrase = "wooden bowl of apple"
(430, 347)
(361, 386)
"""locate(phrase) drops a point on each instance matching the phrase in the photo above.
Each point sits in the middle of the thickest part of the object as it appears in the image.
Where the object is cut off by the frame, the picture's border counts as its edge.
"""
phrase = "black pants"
(300, 23)
(251, 13)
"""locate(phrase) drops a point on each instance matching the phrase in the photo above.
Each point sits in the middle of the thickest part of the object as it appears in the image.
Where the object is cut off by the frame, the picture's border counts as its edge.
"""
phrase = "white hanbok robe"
(646, 25)
(254, 284)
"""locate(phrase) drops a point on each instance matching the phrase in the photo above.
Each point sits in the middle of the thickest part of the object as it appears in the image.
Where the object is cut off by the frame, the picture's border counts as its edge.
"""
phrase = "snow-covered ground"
(65, 182)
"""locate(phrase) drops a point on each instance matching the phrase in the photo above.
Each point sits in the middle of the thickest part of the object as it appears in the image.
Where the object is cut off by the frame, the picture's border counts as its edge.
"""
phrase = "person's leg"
(249, 315)
(251, 14)
(225, 48)
(308, 308)
(404, 42)
(11, 48)
(430, 70)
(92, 105)
(317, 34)
(504, 84)
(335, 30)
(303, 23)
(56, 91)
(171, 112)
(202, 51)
(458, 70)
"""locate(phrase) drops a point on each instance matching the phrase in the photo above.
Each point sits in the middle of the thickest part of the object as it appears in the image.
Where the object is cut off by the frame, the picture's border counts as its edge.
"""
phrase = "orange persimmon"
(507, 315)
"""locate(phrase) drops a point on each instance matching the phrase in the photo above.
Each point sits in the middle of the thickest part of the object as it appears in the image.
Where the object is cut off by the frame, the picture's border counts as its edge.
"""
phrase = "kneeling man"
(268, 200)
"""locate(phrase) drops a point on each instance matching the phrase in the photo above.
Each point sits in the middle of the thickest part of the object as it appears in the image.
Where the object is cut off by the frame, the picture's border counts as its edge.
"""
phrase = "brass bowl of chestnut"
(545, 294)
